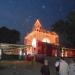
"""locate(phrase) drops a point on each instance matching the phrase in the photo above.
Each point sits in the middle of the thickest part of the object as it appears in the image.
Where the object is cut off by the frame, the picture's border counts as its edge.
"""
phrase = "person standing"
(45, 70)
(72, 67)
(63, 68)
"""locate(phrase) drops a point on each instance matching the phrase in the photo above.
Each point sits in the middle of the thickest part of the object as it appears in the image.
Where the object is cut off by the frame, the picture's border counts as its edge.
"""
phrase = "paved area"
(18, 72)
(24, 68)
(16, 69)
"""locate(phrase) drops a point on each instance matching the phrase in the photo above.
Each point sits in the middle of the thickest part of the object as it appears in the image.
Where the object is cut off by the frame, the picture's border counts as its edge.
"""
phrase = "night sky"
(21, 14)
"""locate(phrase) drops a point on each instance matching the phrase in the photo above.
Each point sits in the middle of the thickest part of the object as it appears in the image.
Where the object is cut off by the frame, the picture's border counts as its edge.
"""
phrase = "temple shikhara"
(39, 36)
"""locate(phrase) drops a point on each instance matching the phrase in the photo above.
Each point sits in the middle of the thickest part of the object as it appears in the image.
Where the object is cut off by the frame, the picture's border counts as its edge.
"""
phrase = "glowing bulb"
(46, 40)
(34, 43)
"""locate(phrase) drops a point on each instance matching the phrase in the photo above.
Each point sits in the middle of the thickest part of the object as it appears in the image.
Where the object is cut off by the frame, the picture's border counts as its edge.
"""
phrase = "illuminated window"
(46, 40)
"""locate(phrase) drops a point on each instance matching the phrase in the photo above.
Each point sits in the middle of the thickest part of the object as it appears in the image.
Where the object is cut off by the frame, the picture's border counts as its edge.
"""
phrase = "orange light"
(34, 43)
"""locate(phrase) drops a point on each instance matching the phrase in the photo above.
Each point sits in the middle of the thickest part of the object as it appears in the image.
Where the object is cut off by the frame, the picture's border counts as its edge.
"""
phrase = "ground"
(24, 67)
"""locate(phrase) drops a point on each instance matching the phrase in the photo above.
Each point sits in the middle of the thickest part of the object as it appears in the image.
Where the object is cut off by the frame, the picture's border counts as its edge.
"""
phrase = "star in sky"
(43, 6)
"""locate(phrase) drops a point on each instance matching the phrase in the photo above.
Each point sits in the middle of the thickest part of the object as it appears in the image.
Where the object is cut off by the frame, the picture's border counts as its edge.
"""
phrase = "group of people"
(64, 68)
(61, 66)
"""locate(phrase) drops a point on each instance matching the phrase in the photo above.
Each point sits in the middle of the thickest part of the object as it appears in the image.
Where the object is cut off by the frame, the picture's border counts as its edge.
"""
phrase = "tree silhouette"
(9, 36)
(66, 30)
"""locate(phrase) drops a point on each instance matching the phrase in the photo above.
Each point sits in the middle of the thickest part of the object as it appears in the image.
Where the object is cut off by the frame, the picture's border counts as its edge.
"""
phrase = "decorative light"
(34, 43)
(20, 51)
(46, 40)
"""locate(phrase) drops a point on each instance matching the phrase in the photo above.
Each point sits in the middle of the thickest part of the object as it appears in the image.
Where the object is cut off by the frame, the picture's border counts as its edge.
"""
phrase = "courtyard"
(21, 68)
(25, 67)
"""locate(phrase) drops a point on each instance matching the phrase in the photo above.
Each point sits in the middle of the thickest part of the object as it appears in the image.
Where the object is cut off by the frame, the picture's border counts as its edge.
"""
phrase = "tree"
(9, 36)
(71, 28)
(66, 30)
(59, 27)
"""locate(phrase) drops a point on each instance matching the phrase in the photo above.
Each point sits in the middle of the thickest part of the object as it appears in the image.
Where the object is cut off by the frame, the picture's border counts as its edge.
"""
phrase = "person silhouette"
(45, 70)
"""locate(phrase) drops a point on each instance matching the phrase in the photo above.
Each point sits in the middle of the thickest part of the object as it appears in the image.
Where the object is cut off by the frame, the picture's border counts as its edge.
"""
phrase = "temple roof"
(40, 33)
(37, 26)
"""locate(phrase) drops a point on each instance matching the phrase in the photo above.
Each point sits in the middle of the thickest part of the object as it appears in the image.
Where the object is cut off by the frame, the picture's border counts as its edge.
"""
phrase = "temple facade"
(38, 33)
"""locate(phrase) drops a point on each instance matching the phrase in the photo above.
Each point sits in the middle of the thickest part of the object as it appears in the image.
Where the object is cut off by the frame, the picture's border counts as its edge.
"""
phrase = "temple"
(38, 33)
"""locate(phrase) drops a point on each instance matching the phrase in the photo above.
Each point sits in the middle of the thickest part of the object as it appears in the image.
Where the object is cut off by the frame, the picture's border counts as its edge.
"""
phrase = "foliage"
(9, 36)
(66, 30)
